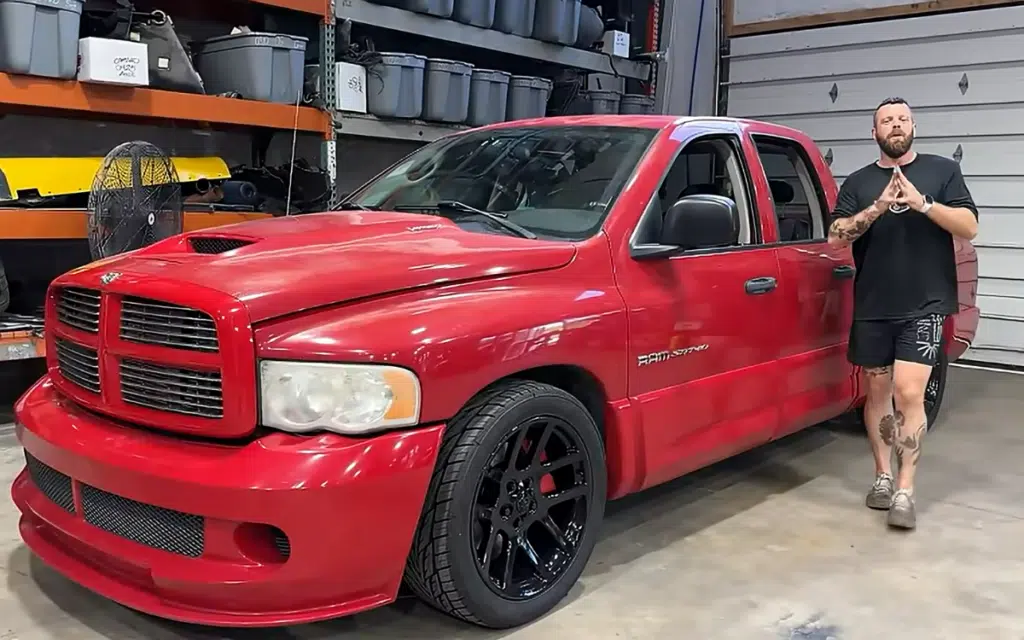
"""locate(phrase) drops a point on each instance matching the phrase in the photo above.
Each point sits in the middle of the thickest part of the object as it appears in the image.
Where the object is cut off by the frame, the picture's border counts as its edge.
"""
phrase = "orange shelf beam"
(316, 7)
(70, 224)
(31, 92)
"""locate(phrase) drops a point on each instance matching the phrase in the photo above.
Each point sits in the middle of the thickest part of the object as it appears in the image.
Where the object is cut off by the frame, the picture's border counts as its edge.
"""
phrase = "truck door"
(816, 288)
(703, 325)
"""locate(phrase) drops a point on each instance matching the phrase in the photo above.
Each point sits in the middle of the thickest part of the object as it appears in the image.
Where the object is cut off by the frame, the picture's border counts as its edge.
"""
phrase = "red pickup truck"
(442, 385)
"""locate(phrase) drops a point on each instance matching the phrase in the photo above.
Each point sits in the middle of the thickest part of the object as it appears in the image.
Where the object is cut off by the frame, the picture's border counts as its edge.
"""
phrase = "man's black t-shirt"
(906, 267)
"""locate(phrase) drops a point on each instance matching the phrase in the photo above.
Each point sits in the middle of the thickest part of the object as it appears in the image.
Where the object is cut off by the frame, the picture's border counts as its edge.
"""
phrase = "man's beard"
(895, 147)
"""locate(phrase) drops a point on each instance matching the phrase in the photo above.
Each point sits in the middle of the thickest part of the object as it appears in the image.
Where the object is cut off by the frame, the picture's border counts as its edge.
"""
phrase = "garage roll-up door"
(963, 74)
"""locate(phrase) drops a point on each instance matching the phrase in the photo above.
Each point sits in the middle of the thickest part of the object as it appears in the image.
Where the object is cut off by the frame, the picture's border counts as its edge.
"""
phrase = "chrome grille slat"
(79, 365)
(149, 525)
(165, 324)
(79, 308)
(172, 389)
(183, 387)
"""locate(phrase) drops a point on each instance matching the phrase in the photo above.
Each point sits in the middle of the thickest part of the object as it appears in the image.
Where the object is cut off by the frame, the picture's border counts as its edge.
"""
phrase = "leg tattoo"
(889, 426)
(908, 448)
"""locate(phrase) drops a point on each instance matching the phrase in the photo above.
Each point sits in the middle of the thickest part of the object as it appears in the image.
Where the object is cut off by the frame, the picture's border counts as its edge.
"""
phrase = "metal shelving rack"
(20, 336)
(425, 26)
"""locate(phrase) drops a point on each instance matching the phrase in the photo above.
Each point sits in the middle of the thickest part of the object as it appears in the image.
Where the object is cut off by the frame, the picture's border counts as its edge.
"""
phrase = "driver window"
(705, 166)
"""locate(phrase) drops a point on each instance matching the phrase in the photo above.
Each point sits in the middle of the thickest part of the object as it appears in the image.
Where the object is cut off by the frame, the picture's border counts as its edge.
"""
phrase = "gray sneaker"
(880, 496)
(901, 511)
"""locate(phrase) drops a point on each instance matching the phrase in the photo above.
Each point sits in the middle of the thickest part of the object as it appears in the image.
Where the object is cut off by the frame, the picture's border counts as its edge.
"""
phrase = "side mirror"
(701, 221)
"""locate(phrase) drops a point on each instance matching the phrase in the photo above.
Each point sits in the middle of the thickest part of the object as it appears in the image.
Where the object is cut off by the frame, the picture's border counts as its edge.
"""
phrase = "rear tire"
(544, 505)
(935, 390)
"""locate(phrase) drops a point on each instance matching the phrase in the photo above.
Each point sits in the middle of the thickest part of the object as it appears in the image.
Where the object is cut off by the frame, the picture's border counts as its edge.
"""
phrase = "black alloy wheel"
(531, 509)
(512, 513)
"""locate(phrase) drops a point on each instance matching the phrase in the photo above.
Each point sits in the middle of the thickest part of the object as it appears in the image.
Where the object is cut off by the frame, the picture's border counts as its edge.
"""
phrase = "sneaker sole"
(878, 502)
(902, 520)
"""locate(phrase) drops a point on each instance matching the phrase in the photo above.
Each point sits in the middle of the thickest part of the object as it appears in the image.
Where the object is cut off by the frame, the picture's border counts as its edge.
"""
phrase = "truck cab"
(444, 382)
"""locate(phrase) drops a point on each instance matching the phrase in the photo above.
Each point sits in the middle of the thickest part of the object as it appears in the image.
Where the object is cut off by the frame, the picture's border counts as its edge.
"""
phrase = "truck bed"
(21, 337)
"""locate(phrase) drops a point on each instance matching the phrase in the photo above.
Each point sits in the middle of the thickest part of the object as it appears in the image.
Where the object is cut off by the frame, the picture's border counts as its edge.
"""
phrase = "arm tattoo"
(889, 426)
(849, 229)
(908, 448)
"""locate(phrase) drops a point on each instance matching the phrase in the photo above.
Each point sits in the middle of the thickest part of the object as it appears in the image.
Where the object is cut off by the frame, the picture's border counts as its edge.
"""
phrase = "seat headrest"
(782, 191)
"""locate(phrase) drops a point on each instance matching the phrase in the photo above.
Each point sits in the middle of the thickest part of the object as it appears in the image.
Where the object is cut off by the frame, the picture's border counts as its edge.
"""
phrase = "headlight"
(345, 398)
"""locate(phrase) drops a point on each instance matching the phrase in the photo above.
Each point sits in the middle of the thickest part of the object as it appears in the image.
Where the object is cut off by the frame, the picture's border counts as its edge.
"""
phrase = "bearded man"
(900, 214)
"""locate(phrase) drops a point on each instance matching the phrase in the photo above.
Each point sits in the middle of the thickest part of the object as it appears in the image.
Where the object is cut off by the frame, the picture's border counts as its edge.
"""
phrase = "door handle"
(757, 286)
(844, 271)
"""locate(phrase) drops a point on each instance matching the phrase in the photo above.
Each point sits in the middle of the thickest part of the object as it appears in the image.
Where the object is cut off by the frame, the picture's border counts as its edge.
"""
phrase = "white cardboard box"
(107, 61)
(616, 43)
(350, 85)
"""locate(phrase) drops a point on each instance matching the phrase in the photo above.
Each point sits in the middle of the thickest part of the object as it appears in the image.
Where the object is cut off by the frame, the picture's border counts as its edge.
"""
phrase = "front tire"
(503, 538)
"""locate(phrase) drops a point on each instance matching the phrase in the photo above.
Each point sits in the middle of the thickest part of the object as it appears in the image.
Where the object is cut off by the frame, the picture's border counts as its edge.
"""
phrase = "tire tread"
(427, 572)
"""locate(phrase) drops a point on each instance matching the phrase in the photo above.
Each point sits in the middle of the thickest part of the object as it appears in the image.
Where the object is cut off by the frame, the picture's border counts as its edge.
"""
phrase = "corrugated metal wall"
(964, 75)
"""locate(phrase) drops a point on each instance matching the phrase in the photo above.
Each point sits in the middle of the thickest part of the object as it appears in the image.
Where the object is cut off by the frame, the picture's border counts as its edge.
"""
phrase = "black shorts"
(878, 343)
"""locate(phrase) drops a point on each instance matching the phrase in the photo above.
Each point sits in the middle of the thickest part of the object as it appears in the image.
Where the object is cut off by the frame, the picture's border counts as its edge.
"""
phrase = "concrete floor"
(774, 545)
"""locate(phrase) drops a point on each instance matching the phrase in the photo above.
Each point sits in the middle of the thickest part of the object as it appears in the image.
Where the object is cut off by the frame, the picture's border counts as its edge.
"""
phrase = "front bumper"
(347, 506)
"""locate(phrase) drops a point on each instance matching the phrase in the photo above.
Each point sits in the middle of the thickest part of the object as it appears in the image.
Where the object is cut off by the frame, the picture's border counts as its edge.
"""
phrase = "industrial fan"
(135, 200)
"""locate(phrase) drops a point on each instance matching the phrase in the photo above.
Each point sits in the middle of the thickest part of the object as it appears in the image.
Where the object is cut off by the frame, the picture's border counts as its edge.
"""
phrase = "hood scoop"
(214, 245)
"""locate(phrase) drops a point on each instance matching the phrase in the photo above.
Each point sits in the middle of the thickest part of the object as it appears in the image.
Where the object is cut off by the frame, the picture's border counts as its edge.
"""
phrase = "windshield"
(553, 182)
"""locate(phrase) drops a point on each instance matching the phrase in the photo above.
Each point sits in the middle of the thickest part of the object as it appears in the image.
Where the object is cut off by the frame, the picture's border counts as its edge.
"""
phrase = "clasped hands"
(900, 192)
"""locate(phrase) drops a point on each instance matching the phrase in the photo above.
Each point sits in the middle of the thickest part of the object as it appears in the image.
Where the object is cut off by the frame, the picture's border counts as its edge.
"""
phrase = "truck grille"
(79, 308)
(55, 485)
(173, 389)
(169, 325)
(165, 529)
(156, 527)
(79, 365)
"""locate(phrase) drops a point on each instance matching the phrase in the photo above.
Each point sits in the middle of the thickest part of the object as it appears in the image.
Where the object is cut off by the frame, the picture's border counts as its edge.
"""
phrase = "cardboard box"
(119, 62)
(616, 43)
(350, 86)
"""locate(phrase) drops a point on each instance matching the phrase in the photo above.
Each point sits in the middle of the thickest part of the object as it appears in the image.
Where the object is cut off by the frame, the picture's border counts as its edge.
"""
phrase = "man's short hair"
(886, 103)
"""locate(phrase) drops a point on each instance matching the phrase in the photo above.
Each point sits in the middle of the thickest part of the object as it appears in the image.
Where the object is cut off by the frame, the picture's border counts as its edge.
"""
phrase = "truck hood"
(294, 264)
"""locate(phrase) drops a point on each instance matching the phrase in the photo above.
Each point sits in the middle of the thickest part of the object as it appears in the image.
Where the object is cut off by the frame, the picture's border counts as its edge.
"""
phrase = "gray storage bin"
(446, 90)
(479, 13)
(528, 97)
(591, 27)
(258, 66)
(515, 16)
(40, 37)
(439, 8)
(557, 21)
(488, 97)
(394, 87)
(636, 104)
(604, 102)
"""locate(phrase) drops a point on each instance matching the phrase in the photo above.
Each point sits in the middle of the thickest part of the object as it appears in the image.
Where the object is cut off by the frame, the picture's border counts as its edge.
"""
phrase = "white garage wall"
(967, 89)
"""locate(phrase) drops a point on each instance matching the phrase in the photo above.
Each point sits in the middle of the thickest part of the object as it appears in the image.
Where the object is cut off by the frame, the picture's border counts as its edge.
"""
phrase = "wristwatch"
(928, 202)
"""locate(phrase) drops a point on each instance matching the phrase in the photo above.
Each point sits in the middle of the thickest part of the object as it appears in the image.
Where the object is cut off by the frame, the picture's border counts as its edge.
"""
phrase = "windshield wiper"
(462, 207)
(350, 206)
